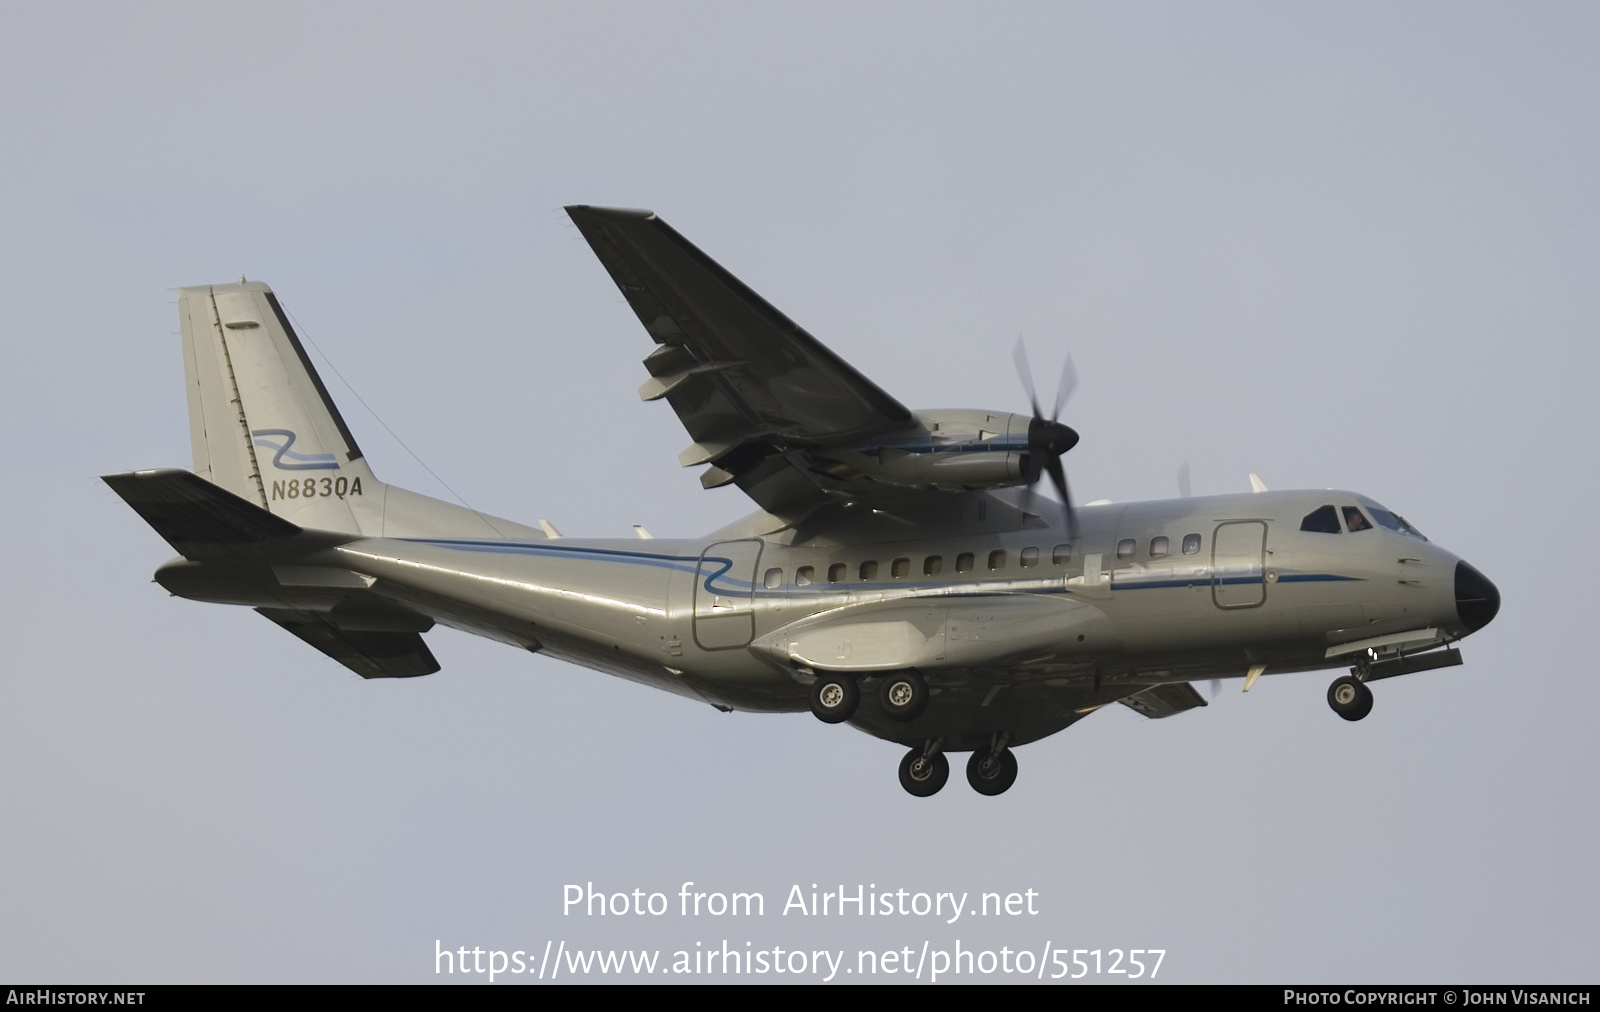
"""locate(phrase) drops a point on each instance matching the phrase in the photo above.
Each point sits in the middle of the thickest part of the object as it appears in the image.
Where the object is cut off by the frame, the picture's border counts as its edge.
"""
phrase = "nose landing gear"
(1350, 697)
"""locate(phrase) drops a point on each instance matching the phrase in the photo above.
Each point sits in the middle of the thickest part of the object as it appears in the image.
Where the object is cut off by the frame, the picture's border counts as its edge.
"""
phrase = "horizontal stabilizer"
(368, 654)
(1164, 700)
(190, 512)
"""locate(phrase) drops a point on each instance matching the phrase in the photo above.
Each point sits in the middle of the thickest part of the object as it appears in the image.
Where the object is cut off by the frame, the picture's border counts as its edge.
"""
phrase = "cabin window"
(933, 565)
(1354, 520)
(1062, 555)
(964, 562)
(1158, 547)
(1322, 520)
(1126, 547)
(836, 573)
(805, 576)
(901, 567)
(869, 569)
(997, 559)
(1029, 558)
(1191, 544)
(774, 579)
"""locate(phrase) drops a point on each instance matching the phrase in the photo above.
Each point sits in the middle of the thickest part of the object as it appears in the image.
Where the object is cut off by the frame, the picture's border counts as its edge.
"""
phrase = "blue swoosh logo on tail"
(297, 461)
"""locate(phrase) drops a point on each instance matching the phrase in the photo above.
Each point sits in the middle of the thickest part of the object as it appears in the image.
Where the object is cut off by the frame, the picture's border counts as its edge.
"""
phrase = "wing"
(759, 396)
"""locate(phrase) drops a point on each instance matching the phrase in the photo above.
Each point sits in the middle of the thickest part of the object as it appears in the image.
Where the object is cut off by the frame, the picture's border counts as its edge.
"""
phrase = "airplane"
(899, 574)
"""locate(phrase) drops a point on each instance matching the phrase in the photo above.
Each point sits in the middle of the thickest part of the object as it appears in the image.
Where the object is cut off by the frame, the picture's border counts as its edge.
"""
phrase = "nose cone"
(1477, 600)
(1051, 437)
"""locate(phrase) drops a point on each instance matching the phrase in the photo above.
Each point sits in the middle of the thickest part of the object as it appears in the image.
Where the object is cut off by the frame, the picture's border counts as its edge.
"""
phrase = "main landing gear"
(1350, 697)
(924, 770)
(834, 698)
(990, 771)
(902, 696)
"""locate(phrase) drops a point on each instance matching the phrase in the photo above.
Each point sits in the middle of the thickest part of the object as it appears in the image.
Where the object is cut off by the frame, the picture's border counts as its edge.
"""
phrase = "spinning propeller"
(1048, 439)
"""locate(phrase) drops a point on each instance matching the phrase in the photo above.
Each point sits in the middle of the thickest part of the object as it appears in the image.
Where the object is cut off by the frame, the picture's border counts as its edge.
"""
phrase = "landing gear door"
(1238, 564)
(722, 595)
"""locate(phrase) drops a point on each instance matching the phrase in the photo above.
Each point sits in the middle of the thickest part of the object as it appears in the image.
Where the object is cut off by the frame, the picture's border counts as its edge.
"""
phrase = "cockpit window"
(1354, 520)
(1323, 520)
(1394, 522)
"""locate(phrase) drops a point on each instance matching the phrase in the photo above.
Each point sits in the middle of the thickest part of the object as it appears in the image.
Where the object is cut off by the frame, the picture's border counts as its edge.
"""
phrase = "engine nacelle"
(958, 449)
(983, 468)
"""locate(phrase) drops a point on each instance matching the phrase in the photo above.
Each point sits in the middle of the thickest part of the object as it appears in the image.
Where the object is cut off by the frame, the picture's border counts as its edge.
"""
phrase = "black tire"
(903, 696)
(834, 698)
(923, 778)
(1350, 698)
(992, 777)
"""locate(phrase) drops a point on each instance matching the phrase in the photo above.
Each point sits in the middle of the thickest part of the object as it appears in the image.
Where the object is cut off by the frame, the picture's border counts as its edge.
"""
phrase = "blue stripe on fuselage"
(692, 565)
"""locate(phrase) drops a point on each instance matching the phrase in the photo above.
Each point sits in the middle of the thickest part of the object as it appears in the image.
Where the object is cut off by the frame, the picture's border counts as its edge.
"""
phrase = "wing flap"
(370, 654)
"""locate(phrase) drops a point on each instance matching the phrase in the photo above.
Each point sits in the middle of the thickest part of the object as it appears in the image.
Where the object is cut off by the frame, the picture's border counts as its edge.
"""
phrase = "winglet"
(1256, 484)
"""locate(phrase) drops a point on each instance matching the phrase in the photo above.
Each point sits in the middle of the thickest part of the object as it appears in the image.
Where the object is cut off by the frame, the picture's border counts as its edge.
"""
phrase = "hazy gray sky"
(1343, 245)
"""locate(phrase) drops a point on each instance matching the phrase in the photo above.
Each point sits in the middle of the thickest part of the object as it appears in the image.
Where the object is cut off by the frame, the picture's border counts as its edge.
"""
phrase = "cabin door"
(723, 587)
(1238, 564)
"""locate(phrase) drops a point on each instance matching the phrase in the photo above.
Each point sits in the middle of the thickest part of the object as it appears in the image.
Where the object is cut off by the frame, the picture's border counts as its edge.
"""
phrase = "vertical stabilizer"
(261, 423)
(263, 426)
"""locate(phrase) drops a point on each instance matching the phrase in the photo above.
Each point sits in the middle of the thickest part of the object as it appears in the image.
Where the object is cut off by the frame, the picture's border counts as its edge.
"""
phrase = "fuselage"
(1139, 594)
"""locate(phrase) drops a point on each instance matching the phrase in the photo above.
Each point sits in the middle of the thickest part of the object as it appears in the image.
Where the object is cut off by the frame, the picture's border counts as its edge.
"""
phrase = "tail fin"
(263, 427)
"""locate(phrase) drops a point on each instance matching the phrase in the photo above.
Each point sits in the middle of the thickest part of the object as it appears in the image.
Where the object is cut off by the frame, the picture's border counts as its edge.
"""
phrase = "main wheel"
(834, 698)
(1350, 697)
(903, 696)
(991, 774)
(921, 777)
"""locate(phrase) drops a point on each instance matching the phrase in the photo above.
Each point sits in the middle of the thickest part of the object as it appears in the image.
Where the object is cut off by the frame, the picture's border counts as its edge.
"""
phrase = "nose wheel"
(922, 774)
(1349, 697)
(834, 698)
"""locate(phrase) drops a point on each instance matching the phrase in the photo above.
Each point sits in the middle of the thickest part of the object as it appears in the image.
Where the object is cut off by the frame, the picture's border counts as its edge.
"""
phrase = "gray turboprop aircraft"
(900, 573)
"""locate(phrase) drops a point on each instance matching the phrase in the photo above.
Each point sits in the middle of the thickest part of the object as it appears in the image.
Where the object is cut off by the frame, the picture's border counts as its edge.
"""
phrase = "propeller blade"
(1048, 439)
(1183, 480)
(1058, 478)
(1069, 383)
(1025, 504)
(1020, 356)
